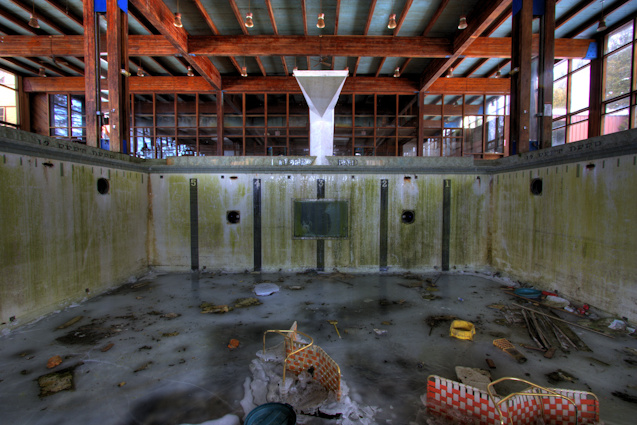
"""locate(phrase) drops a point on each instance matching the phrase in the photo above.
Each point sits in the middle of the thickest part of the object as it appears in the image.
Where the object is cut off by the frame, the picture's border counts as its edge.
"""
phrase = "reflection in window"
(571, 101)
(8, 100)
(67, 117)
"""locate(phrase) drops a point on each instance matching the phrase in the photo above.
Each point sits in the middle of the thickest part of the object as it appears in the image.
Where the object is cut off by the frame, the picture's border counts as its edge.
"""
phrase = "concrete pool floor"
(192, 377)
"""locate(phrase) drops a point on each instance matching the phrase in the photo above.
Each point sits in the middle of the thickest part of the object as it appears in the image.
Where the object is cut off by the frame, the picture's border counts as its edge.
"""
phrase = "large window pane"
(559, 98)
(165, 104)
(580, 89)
(619, 38)
(617, 68)
(560, 70)
(616, 121)
(58, 104)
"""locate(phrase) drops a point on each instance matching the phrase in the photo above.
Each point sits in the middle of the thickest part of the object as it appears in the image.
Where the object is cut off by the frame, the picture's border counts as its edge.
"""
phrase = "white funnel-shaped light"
(321, 90)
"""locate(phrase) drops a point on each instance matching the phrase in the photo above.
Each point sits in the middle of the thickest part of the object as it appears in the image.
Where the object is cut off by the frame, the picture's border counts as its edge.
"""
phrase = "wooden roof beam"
(9, 17)
(373, 46)
(66, 12)
(161, 18)
(595, 19)
(338, 12)
(43, 64)
(573, 12)
(25, 67)
(237, 14)
(136, 14)
(399, 25)
(367, 25)
(488, 13)
(304, 11)
(434, 18)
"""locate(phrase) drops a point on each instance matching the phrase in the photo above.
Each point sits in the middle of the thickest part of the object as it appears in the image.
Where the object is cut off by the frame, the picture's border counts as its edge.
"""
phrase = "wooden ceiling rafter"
(161, 18)
(15, 21)
(22, 65)
(268, 4)
(434, 19)
(66, 12)
(487, 14)
(44, 64)
(370, 15)
(136, 15)
(595, 19)
(237, 14)
(64, 63)
(488, 33)
(162, 66)
(399, 25)
(29, 9)
(7, 31)
(579, 8)
(304, 11)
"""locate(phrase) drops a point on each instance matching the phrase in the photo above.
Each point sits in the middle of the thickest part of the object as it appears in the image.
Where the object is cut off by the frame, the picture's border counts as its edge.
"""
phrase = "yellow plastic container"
(462, 330)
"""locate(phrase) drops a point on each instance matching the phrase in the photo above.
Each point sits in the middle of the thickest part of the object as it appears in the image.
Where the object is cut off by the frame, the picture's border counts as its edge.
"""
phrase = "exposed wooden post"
(91, 76)
(117, 50)
(24, 106)
(595, 118)
(547, 60)
(521, 47)
(421, 130)
(219, 96)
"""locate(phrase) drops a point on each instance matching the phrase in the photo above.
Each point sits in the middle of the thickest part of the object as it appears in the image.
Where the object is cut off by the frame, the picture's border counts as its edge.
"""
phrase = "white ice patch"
(265, 289)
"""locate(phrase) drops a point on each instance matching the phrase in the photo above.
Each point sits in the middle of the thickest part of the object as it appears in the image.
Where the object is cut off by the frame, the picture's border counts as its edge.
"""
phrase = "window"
(8, 100)
(571, 98)
(619, 91)
(465, 125)
(67, 117)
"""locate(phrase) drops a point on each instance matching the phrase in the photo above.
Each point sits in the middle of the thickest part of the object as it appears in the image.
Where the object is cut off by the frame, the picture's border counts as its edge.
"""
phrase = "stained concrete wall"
(59, 236)
(416, 246)
(579, 236)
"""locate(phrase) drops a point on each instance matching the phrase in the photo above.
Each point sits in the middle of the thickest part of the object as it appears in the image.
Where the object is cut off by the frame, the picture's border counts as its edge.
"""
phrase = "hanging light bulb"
(392, 21)
(602, 22)
(177, 22)
(321, 21)
(190, 73)
(33, 22)
(140, 72)
(249, 23)
(397, 72)
(41, 72)
(449, 73)
(463, 22)
(498, 74)
(244, 71)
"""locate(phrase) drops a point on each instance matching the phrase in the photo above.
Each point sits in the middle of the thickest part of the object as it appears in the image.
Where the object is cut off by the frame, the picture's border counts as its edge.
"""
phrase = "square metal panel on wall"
(320, 219)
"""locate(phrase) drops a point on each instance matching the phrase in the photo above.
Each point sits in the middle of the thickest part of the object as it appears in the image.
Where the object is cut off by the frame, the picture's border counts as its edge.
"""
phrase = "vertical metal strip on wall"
(446, 223)
(382, 262)
(194, 226)
(320, 243)
(256, 202)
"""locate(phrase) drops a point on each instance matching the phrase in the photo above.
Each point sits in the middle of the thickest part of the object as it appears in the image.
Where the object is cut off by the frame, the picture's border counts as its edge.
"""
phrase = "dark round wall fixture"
(536, 186)
(103, 186)
(408, 217)
(233, 217)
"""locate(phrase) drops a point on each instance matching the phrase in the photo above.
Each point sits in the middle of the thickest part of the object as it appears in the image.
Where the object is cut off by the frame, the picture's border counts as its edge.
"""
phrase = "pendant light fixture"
(462, 24)
(449, 73)
(41, 72)
(321, 17)
(602, 22)
(397, 72)
(249, 23)
(392, 21)
(244, 70)
(190, 72)
(177, 21)
(498, 74)
(140, 71)
(33, 22)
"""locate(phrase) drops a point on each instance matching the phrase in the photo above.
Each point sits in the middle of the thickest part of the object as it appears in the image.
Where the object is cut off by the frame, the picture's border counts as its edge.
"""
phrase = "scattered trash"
(434, 321)
(583, 310)
(146, 347)
(506, 346)
(23, 354)
(108, 347)
(169, 334)
(412, 285)
(432, 289)
(462, 329)
(265, 289)
(626, 397)
(121, 384)
(211, 308)
(170, 315)
(430, 297)
(460, 299)
(142, 367)
(380, 331)
(631, 350)
(386, 323)
(529, 293)
(140, 284)
(555, 301)
(296, 287)
(234, 343)
(281, 279)
(53, 362)
(54, 382)
(496, 306)
(246, 302)
(71, 322)
(560, 375)
(334, 322)
(490, 363)
(617, 325)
